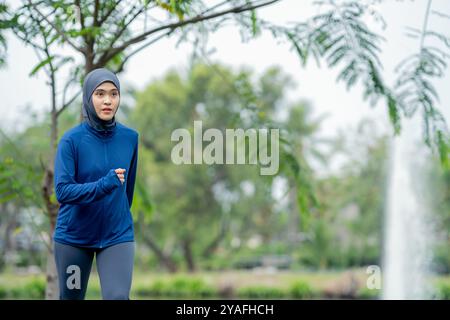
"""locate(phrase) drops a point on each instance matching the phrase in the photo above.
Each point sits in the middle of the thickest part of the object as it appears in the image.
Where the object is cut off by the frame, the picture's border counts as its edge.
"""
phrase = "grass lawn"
(260, 283)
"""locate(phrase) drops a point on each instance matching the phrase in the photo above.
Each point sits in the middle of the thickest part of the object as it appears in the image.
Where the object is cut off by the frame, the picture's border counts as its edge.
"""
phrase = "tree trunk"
(52, 292)
(88, 65)
(52, 288)
(189, 258)
(218, 239)
(163, 258)
(11, 225)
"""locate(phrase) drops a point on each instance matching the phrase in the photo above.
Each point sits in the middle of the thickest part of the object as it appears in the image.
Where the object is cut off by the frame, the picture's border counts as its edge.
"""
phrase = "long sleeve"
(68, 190)
(132, 174)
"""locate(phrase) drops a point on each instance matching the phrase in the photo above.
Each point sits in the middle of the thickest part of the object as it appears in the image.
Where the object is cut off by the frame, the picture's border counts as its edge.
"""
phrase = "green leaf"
(302, 53)
(444, 148)
(255, 29)
(8, 197)
(393, 114)
(40, 65)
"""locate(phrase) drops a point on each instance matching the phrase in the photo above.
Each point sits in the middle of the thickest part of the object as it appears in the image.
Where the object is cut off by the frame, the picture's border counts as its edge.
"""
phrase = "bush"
(186, 287)
(366, 293)
(3, 293)
(156, 289)
(34, 289)
(444, 291)
(178, 287)
(301, 290)
(260, 293)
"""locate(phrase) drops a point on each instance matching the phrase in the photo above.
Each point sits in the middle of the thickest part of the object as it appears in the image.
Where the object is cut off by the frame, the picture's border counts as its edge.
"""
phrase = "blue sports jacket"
(94, 205)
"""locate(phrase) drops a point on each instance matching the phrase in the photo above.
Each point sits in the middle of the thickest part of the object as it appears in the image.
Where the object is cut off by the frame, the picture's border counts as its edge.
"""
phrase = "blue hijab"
(93, 79)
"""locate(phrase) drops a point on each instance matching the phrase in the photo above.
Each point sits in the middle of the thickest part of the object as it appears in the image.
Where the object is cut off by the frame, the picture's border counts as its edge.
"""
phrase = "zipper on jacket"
(102, 215)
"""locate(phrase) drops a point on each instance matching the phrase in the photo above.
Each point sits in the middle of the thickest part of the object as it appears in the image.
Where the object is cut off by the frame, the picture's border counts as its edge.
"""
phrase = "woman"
(95, 171)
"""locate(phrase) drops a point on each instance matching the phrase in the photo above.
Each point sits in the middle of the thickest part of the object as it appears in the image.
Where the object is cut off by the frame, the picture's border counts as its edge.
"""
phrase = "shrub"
(444, 291)
(261, 293)
(178, 287)
(301, 290)
(34, 289)
(366, 293)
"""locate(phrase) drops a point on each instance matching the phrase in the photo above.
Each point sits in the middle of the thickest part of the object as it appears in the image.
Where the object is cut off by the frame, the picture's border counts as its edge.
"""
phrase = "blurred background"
(360, 206)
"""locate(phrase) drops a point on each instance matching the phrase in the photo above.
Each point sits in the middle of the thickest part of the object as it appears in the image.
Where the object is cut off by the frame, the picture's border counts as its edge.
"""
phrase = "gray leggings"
(114, 265)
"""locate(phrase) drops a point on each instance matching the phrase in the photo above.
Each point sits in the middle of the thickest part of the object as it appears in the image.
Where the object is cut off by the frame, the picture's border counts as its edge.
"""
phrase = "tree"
(214, 203)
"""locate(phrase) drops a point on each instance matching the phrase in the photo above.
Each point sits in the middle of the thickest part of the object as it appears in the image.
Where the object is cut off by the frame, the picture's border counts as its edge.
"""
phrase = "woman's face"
(106, 100)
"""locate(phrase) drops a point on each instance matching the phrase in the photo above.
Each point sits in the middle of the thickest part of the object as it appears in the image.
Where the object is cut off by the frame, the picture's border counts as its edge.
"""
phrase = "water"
(407, 235)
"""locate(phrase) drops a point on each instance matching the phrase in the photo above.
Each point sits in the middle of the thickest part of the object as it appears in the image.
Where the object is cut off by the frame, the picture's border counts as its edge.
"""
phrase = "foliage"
(260, 292)
(301, 290)
(178, 287)
(102, 33)
(215, 199)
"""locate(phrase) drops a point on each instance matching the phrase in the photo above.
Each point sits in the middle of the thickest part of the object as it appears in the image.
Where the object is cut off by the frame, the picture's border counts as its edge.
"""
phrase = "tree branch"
(120, 31)
(61, 32)
(65, 105)
(120, 68)
(33, 44)
(96, 13)
(24, 38)
(77, 3)
(114, 51)
(217, 239)
(103, 19)
(66, 87)
(163, 258)
(425, 24)
(214, 7)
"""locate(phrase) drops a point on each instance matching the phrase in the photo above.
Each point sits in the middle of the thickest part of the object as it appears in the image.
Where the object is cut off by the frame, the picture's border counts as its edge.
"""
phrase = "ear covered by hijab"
(92, 80)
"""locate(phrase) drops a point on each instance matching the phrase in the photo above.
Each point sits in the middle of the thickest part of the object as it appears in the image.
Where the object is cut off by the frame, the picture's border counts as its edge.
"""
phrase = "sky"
(344, 108)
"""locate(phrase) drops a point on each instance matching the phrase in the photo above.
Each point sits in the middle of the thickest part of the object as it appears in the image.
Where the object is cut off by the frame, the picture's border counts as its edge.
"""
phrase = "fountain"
(407, 231)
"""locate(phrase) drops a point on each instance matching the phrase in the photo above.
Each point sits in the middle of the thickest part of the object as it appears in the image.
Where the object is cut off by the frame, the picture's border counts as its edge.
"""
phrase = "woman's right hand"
(120, 174)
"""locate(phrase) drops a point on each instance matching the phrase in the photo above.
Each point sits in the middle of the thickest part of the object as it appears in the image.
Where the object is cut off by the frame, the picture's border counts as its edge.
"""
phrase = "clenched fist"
(120, 174)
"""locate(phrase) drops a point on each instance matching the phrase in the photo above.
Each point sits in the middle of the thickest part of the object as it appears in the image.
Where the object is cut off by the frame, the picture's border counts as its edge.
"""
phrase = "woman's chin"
(106, 118)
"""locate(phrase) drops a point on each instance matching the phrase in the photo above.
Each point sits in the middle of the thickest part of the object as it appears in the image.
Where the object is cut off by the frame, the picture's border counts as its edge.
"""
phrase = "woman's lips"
(107, 110)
